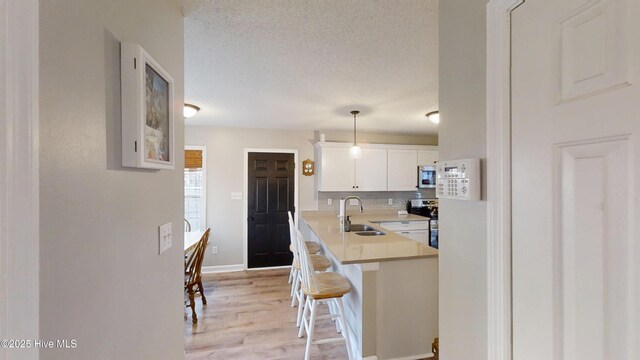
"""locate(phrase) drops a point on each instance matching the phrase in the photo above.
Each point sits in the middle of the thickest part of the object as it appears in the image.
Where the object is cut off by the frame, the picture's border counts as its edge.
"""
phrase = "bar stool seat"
(329, 285)
(320, 262)
(312, 246)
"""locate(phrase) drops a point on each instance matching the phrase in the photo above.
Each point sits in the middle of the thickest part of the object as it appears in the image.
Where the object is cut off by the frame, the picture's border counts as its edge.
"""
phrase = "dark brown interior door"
(270, 196)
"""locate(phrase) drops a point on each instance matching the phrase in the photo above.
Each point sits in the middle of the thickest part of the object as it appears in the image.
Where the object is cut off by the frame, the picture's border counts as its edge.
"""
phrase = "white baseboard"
(414, 357)
(373, 357)
(222, 268)
(270, 268)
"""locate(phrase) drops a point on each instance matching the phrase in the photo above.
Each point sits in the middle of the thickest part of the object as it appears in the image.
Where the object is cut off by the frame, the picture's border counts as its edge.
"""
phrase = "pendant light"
(355, 151)
(434, 117)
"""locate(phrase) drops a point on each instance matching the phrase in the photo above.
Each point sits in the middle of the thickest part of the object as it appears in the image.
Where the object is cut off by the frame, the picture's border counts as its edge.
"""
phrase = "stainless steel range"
(427, 208)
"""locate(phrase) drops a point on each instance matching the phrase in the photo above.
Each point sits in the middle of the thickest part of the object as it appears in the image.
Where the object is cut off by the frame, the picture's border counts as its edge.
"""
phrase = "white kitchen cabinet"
(427, 157)
(414, 230)
(421, 236)
(381, 167)
(402, 169)
(371, 170)
(337, 171)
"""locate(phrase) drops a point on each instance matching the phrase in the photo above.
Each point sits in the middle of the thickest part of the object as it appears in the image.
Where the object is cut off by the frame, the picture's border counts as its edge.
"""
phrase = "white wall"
(225, 172)
(102, 281)
(463, 268)
(225, 151)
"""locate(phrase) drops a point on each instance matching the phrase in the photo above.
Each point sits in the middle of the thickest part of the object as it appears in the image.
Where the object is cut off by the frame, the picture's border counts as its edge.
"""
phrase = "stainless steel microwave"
(426, 176)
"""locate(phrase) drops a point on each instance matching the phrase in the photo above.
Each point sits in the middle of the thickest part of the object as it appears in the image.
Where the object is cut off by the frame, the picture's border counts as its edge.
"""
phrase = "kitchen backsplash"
(374, 200)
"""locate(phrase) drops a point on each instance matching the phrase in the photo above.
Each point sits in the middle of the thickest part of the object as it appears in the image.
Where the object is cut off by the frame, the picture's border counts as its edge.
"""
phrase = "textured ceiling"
(304, 64)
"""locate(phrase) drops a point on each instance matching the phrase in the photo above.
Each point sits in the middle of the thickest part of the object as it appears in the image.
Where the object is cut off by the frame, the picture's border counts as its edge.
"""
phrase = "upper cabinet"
(427, 157)
(371, 170)
(337, 170)
(381, 167)
(402, 169)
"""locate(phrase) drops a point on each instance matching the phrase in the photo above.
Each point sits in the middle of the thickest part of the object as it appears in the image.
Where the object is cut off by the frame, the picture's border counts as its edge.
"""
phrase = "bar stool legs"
(344, 327)
(308, 324)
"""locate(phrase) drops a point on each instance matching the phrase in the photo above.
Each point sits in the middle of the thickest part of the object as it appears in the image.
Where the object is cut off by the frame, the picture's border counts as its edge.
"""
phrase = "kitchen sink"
(360, 227)
(370, 233)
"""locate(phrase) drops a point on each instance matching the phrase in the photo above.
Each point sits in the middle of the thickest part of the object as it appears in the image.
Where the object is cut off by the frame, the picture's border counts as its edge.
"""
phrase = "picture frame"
(148, 110)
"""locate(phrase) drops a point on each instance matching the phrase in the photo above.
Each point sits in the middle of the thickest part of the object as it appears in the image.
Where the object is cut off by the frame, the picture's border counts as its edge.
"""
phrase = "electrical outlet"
(164, 238)
(214, 250)
(390, 201)
(236, 196)
(329, 201)
(354, 202)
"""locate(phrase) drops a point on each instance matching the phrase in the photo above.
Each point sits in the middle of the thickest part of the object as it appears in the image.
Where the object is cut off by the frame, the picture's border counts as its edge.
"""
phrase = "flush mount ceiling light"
(355, 151)
(190, 110)
(434, 117)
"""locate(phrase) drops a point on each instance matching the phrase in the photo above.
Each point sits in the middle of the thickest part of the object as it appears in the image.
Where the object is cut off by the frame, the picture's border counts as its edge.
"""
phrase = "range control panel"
(458, 179)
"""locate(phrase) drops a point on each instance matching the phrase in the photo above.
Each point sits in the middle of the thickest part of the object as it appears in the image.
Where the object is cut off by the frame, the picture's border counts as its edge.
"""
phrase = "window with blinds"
(194, 189)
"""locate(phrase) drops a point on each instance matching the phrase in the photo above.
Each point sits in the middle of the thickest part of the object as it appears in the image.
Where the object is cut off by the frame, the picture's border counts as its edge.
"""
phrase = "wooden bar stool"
(320, 263)
(327, 287)
(313, 247)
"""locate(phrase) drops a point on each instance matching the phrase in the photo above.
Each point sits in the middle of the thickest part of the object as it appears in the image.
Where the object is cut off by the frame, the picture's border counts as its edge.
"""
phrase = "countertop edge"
(375, 223)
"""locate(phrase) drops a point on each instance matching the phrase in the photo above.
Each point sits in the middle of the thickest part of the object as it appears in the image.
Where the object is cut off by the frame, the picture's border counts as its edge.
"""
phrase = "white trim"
(499, 320)
(19, 176)
(270, 268)
(204, 178)
(245, 184)
(414, 357)
(222, 268)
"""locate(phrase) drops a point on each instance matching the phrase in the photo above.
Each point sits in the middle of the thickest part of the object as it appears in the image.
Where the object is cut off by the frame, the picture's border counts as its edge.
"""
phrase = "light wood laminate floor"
(249, 316)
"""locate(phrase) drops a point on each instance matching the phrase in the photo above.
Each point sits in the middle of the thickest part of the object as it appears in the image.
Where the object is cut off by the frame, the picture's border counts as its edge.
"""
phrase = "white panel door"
(427, 157)
(371, 170)
(576, 180)
(402, 172)
(338, 170)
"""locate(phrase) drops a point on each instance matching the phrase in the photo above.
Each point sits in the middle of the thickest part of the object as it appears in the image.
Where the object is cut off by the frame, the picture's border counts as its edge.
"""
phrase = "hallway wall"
(102, 281)
(463, 232)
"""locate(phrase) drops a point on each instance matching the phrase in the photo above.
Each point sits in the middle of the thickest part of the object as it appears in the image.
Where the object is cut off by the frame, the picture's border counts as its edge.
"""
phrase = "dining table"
(191, 238)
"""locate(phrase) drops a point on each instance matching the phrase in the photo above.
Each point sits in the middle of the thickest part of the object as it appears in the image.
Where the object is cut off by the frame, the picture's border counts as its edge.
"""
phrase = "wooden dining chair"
(193, 273)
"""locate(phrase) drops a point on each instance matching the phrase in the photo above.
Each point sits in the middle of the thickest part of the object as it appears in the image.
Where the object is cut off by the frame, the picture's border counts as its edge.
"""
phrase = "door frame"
(19, 175)
(499, 267)
(245, 201)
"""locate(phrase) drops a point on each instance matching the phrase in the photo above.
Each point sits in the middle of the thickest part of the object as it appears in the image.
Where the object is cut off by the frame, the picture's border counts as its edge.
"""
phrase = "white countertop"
(350, 248)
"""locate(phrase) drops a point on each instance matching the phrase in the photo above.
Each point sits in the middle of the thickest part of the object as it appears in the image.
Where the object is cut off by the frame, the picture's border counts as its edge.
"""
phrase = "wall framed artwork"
(148, 110)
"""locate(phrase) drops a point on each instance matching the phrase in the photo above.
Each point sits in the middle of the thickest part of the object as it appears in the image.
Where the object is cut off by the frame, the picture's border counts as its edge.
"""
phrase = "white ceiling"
(304, 64)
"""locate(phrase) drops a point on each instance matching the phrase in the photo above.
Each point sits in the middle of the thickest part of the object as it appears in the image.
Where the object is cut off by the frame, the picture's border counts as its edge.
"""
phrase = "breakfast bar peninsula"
(393, 306)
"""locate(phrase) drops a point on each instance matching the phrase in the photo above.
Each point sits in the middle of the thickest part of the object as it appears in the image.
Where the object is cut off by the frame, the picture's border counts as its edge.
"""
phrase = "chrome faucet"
(343, 210)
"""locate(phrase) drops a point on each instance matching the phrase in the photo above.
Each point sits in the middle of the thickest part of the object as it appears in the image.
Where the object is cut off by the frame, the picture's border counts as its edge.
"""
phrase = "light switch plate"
(236, 196)
(164, 237)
